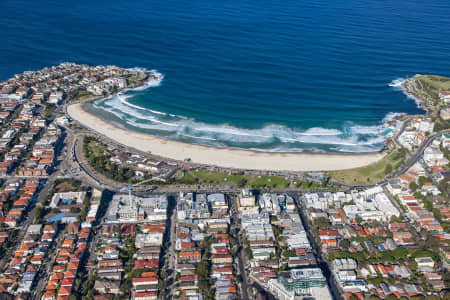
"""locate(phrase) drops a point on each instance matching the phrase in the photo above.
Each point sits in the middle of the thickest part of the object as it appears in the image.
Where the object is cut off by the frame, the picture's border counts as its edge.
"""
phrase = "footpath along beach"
(223, 157)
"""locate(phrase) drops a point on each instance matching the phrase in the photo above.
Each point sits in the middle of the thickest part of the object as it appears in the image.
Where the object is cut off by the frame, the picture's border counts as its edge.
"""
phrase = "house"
(189, 256)
(50, 229)
(328, 238)
(433, 156)
(34, 229)
(73, 228)
(145, 296)
(106, 286)
(144, 281)
(222, 258)
(444, 96)
(146, 263)
(424, 263)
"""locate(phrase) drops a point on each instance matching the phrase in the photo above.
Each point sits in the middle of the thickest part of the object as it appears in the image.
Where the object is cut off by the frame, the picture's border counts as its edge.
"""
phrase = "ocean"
(268, 75)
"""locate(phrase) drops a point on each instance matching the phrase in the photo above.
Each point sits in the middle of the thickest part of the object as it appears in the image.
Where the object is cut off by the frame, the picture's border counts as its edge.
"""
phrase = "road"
(416, 156)
(410, 161)
(92, 177)
(74, 165)
(322, 262)
(44, 272)
(170, 255)
(239, 254)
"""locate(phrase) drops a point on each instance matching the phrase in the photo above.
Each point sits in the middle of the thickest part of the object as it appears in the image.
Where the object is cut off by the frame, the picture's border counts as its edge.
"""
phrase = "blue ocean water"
(280, 76)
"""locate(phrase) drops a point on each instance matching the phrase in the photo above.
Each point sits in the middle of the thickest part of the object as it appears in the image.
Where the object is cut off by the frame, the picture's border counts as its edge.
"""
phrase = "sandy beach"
(222, 157)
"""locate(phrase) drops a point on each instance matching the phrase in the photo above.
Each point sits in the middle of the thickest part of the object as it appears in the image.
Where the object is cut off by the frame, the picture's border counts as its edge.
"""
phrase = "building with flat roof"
(131, 208)
(300, 282)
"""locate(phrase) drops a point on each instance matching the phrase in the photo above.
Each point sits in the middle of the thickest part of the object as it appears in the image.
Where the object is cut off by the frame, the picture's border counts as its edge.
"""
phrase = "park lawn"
(369, 174)
(97, 148)
(81, 95)
(434, 83)
(274, 182)
(186, 178)
(428, 87)
(99, 156)
(66, 185)
(208, 177)
(252, 181)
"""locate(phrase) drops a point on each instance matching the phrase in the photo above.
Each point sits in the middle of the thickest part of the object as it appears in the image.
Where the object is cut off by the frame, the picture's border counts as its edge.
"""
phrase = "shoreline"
(222, 157)
(421, 102)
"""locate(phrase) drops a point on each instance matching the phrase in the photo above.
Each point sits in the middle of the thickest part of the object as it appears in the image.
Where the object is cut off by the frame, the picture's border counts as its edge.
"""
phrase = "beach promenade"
(222, 157)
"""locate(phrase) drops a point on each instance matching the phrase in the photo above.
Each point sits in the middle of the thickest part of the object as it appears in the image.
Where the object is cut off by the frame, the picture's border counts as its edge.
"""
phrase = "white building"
(445, 96)
(55, 97)
(384, 205)
(67, 198)
(434, 157)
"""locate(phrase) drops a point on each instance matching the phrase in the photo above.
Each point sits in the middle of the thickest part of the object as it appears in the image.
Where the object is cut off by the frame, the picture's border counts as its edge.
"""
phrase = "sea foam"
(271, 137)
(349, 137)
(398, 85)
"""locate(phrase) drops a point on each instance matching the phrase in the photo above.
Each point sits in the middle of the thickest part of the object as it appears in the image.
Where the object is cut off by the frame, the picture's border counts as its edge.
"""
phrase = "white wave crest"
(321, 131)
(397, 82)
(391, 116)
(366, 130)
(275, 138)
(281, 137)
(154, 80)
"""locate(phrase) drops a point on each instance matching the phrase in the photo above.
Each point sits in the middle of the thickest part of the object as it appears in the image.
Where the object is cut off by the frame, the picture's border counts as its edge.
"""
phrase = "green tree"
(38, 213)
(413, 186)
(241, 182)
(433, 243)
(289, 253)
(422, 180)
(388, 169)
(322, 223)
(344, 244)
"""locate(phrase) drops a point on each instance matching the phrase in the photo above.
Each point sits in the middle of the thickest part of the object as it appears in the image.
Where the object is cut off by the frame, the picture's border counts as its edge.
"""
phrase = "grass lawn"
(274, 182)
(66, 185)
(49, 109)
(185, 178)
(208, 177)
(428, 87)
(97, 148)
(372, 173)
(434, 83)
(253, 181)
(80, 95)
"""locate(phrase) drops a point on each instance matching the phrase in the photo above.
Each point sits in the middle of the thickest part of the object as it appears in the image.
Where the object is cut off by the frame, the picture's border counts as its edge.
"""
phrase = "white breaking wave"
(123, 98)
(155, 79)
(351, 136)
(366, 130)
(321, 131)
(121, 109)
(397, 82)
(198, 137)
(391, 116)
